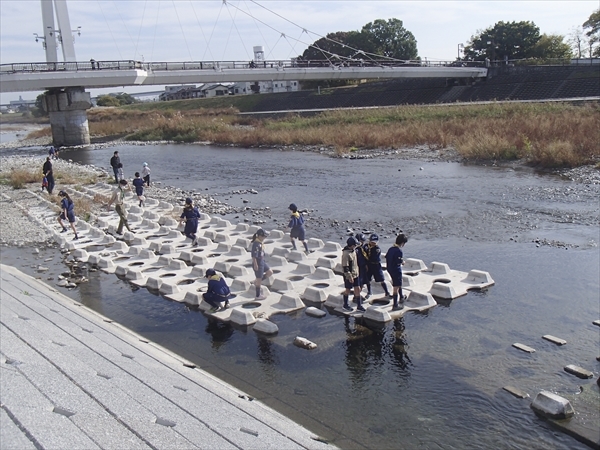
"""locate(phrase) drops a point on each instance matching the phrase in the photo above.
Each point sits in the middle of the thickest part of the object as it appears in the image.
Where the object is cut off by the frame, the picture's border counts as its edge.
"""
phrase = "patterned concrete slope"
(156, 255)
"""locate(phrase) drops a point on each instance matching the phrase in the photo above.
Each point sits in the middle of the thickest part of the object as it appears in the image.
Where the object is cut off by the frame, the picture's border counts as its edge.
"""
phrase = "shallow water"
(430, 380)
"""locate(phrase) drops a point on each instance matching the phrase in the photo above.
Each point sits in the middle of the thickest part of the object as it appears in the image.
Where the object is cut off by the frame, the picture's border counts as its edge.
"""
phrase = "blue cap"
(351, 241)
(188, 200)
(373, 238)
(293, 207)
(210, 272)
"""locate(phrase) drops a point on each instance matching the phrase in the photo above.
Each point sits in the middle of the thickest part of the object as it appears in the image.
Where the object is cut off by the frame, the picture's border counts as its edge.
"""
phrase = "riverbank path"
(71, 378)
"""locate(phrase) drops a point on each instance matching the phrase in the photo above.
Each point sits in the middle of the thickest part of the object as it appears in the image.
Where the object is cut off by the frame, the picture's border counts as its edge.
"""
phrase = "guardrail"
(217, 65)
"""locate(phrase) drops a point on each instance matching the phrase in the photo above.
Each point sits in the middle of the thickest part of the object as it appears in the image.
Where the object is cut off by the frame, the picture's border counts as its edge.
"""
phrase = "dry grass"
(19, 178)
(42, 132)
(550, 135)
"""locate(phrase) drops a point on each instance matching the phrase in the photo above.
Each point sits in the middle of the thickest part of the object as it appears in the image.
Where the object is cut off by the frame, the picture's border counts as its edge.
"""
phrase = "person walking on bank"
(146, 174)
(350, 267)
(217, 292)
(115, 161)
(138, 183)
(118, 198)
(49, 174)
(68, 213)
(374, 263)
(261, 268)
(190, 216)
(296, 226)
(394, 262)
(361, 257)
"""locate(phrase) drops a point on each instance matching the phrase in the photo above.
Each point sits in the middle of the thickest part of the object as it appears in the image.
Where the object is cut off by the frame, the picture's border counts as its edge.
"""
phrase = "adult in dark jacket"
(394, 261)
(218, 291)
(115, 161)
(49, 174)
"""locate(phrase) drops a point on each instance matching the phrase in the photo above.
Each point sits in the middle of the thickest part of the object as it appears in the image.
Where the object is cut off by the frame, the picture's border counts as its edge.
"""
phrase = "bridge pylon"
(68, 117)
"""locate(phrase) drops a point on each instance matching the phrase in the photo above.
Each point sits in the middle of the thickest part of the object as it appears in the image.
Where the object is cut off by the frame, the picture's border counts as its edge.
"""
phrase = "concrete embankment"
(71, 378)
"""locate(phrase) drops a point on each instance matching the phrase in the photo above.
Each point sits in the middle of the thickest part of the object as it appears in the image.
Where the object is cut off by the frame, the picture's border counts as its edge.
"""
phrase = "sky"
(203, 30)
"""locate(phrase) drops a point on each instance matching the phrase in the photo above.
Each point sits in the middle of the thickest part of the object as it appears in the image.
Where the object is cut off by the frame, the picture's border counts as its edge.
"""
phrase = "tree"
(341, 43)
(576, 40)
(505, 40)
(592, 27)
(107, 100)
(390, 39)
(39, 110)
(386, 38)
(552, 46)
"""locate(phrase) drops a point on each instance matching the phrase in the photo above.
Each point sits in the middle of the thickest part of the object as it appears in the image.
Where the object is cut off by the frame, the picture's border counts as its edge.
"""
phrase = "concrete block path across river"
(159, 257)
(71, 378)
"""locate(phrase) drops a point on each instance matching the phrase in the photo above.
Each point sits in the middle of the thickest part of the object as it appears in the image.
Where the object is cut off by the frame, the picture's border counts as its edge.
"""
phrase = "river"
(430, 380)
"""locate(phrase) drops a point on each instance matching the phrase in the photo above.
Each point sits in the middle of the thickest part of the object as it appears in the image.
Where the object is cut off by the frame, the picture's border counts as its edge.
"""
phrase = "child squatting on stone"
(217, 292)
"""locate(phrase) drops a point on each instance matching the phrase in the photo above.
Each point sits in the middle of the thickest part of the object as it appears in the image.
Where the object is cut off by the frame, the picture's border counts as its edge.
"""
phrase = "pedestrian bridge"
(105, 74)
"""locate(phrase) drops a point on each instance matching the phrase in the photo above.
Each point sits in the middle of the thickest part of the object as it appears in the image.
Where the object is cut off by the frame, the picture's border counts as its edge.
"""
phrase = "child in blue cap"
(217, 292)
(394, 261)
(190, 216)
(374, 263)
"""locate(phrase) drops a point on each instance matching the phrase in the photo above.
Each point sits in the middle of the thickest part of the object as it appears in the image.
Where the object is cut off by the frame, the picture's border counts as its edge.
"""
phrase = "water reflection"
(369, 350)
(220, 333)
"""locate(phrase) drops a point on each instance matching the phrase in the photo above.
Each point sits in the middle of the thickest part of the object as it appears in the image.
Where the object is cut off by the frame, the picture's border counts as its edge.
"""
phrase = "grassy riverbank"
(544, 134)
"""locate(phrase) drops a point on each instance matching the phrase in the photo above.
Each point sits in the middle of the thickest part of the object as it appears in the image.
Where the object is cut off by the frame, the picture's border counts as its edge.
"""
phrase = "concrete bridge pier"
(68, 117)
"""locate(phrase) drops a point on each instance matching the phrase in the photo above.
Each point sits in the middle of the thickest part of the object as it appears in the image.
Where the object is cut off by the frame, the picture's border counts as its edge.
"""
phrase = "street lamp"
(460, 47)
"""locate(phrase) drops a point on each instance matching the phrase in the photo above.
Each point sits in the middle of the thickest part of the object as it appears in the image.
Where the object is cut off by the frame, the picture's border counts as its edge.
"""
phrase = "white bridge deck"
(103, 74)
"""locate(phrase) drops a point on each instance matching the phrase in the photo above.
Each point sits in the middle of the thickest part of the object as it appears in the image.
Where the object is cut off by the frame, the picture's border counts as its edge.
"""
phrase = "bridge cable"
(182, 32)
(233, 24)
(257, 27)
(201, 30)
(124, 25)
(155, 28)
(212, 31)
(109, 30)
(137, 43)
(325, 37)
(316, 34)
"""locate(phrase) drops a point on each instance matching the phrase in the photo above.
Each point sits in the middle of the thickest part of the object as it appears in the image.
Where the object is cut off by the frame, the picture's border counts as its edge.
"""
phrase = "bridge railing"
(75, 66)
(218, 65)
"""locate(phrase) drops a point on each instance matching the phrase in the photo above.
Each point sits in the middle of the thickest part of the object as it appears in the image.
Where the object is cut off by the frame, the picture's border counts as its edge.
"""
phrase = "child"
(394, 261)
(44, 183)
(120, 172)
(374, 263)
(146, 174)
(217, 292)
(297, 227)
(139, 188)
(190, 216)
(261, 268)
(350, 266)
(67, 213)
(361, 258)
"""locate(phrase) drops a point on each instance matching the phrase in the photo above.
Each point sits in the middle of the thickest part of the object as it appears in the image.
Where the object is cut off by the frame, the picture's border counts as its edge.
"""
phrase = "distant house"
(215, 90)
(264, 87)
(181, 92)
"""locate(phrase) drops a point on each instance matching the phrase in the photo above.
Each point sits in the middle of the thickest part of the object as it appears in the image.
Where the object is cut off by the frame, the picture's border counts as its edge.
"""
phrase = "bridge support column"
(68, 117)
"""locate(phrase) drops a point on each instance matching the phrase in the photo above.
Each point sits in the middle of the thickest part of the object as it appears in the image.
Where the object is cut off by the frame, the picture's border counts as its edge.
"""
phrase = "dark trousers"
(213, 299)
(116, 172)
(50, 179)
